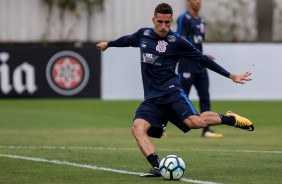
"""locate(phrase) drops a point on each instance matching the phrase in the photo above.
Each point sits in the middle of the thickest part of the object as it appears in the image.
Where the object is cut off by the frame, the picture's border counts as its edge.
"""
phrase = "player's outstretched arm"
(240, 78)
(102, 46)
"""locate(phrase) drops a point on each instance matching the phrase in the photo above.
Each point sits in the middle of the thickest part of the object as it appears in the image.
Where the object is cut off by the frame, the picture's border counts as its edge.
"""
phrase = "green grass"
(97, 133)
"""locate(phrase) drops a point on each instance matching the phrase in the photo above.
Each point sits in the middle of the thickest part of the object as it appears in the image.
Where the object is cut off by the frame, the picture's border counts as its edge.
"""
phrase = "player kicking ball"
(161, 49)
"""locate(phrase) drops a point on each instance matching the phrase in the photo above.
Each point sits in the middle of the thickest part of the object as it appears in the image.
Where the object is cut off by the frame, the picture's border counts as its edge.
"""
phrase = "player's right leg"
(139, 130)
(149, 122)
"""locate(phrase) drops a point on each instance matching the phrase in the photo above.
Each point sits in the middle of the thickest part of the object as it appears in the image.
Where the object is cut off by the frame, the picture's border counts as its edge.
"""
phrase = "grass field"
(83, 141)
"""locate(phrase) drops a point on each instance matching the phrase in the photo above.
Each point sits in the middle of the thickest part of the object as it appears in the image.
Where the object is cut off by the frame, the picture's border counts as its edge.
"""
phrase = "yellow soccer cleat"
(241, 122)
(211, 134)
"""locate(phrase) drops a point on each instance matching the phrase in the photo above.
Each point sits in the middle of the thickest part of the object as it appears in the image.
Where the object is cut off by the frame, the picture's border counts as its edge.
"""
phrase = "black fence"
(56, 71)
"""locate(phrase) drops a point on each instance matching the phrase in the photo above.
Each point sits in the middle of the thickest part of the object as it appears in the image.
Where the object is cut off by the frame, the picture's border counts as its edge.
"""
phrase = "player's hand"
(241, 78)
(102, 46)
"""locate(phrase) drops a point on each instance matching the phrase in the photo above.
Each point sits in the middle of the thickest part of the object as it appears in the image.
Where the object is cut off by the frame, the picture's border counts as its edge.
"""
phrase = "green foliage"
(96, 3)
(72, 4)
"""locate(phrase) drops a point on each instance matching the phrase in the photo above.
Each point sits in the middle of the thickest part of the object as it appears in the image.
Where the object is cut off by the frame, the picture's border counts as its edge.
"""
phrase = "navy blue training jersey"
(159, 56)
(194, 31)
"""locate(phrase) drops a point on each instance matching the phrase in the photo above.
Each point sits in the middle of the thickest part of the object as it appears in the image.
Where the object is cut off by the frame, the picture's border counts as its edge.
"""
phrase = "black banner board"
(36, 71)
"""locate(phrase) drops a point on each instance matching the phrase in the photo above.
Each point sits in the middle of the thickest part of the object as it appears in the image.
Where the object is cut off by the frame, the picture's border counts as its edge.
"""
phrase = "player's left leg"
(241, 122)
(182, 106)
(213, 118)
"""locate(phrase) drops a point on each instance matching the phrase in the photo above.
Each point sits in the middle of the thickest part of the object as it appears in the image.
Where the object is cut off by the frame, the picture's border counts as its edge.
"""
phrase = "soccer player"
(161, 48)
(192, 27)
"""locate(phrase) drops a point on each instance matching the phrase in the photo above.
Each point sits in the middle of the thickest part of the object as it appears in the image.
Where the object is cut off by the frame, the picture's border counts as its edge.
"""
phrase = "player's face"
(195, 4)
(162, 24)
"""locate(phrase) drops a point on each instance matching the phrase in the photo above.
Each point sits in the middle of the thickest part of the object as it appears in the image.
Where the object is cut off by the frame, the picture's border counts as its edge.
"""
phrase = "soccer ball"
(172, 167)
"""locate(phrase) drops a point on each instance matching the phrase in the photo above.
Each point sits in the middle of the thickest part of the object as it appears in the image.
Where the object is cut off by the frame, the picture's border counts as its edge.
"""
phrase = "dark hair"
(163, 8)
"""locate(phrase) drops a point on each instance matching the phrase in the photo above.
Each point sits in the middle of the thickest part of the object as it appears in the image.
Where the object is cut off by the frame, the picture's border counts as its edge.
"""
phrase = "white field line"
(247, 151)
(59, 162)
(131, 149)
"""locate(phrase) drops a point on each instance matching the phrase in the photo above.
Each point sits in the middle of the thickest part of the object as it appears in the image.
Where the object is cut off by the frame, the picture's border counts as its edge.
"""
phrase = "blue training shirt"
(159, 57)
(194, 31)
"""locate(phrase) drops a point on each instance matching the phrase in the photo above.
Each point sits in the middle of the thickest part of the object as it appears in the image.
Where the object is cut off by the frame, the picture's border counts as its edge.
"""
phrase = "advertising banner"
(28, 71)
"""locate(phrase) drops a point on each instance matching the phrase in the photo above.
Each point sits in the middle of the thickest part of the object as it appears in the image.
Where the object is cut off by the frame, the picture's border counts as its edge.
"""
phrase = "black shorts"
(173, 107)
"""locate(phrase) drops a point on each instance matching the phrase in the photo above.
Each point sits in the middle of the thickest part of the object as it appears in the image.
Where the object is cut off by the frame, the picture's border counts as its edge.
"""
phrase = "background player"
(192, 27)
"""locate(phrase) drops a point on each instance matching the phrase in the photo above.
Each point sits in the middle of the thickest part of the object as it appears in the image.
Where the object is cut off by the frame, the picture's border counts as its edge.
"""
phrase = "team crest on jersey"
(161, 47)
(171, 38)
(147, 32)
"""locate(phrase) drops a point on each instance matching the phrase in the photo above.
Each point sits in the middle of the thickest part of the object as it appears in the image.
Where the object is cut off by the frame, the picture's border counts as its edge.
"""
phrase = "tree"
(265, 20)
(71, 5)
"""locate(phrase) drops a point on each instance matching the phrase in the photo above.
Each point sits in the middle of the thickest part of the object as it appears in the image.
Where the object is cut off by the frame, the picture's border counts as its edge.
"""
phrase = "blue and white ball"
(172, 167)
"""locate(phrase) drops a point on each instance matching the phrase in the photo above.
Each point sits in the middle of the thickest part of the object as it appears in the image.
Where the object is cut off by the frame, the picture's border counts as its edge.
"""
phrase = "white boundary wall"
(31, 21)
(121, 76)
